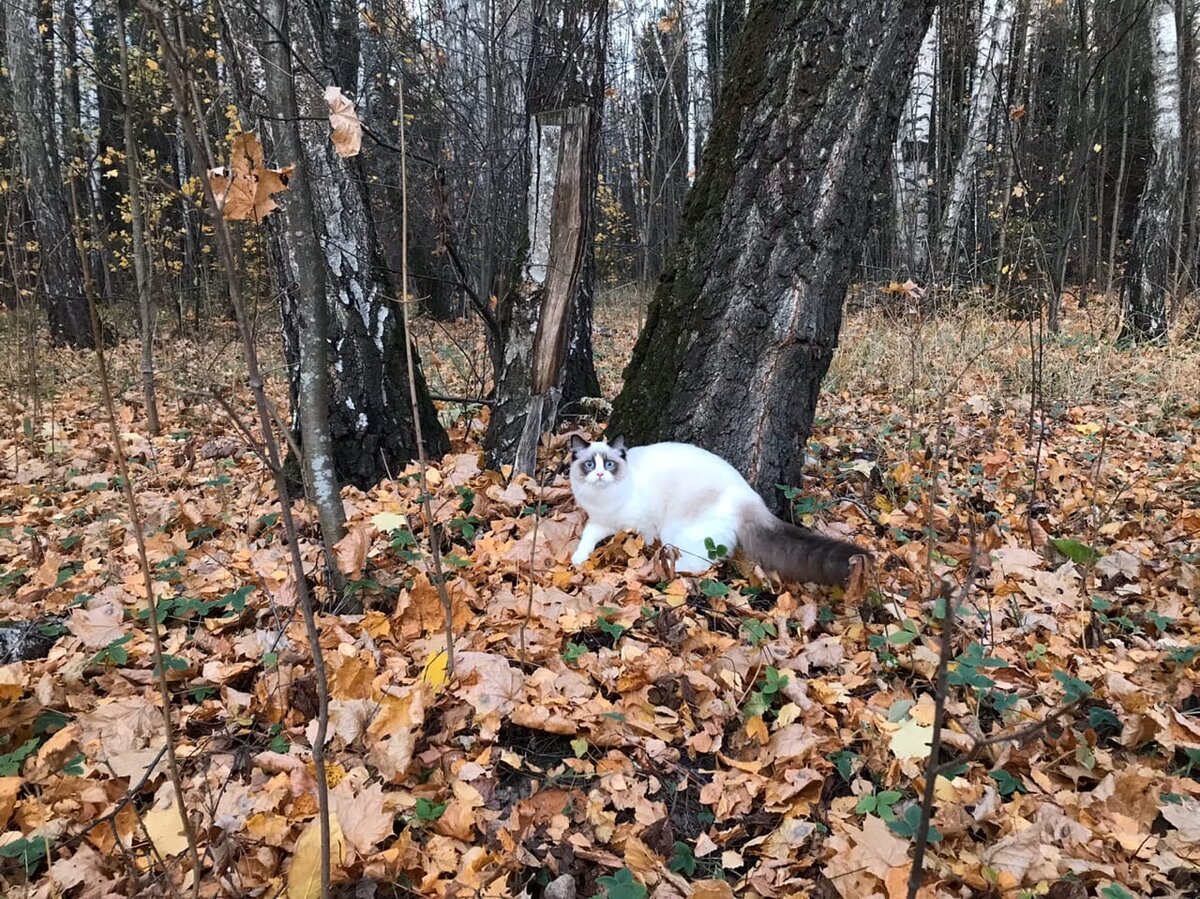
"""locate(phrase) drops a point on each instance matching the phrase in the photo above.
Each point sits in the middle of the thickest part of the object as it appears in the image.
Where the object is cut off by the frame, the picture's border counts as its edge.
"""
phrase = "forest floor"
(705, 737)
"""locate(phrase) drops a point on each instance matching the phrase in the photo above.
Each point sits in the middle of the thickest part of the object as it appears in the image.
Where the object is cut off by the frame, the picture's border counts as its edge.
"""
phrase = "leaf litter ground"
(644, 734)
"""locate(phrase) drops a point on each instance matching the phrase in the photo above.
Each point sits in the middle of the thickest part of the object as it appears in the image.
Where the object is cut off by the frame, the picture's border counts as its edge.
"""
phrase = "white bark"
(912, 156)
(995, 32)
(1158, 207)
(544, 143)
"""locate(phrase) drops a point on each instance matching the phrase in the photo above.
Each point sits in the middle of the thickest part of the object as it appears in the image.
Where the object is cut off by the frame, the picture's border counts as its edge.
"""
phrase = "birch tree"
(1150, 261)
(912, 158)
(995, 31)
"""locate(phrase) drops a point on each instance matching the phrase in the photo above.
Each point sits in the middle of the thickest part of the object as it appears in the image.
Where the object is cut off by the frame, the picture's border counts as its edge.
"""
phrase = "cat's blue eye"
(589, 465)
(610, 465)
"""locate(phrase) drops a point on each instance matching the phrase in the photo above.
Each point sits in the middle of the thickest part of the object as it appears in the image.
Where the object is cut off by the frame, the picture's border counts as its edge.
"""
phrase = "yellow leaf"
(152, 65)
(911, 740)
(389, 521)
(434, 672)
(304, 876)
(165, 830)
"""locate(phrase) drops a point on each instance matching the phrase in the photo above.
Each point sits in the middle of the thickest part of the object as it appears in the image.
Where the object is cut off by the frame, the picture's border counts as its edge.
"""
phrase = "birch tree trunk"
(565, 96)
(369, 414)
(308, 312)
(61, 273)
(912, 157)
(1149, 271)
(992, 53)
(746, 318)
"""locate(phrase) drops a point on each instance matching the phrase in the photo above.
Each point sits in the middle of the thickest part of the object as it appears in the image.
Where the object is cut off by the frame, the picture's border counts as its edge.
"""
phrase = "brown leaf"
(98, 623)
(347, 129)
(245, 188)
(352, 552)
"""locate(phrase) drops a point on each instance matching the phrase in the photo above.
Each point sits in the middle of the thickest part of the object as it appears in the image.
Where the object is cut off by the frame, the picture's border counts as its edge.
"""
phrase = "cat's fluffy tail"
(794, 553)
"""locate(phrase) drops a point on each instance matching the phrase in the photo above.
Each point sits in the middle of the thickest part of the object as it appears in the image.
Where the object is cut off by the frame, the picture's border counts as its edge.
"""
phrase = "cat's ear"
(618, 444)
(577, 443)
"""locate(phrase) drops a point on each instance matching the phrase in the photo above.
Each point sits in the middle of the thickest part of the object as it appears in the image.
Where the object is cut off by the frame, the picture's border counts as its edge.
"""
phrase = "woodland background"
(300, 298)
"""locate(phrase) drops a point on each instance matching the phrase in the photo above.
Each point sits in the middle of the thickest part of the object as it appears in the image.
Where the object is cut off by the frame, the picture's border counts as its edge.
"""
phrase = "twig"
(189, 111)
(135, 522)
(941, 688)
(465, 400)
(435, 550)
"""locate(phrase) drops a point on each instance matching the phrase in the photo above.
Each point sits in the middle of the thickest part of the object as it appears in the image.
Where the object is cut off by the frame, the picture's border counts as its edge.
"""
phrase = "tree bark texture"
(308, 312)
(1149, 272)
(369, 413)
(745, 320)
(995, 29)
(541, 320)
(33, 105)
(913, 154)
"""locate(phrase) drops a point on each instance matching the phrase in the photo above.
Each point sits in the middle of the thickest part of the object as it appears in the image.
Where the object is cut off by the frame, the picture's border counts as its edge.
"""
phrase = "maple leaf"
(245, 188)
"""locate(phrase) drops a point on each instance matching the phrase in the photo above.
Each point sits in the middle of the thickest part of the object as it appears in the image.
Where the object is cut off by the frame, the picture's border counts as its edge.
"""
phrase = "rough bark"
(61, 274)
(744, 322)
(541, 321)
(1150, 259)
(991, 57)
(369, 414)
(308, 314)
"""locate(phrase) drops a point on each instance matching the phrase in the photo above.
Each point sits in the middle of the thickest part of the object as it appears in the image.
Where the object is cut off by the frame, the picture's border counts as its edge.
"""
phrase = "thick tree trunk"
(545, 322)
(1149, 270)
(307, 314)
(61, 273)
(369, 412)
(992, 54)
(744, 322)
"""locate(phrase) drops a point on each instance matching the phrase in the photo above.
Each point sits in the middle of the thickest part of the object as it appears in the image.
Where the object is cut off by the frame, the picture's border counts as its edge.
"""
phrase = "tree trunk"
(548, 311)
(1158, 209)
(307, 315)
(992, 53)
(912, 152)
(369, 411)
(61, 272)
(744, 322)
(141, 264)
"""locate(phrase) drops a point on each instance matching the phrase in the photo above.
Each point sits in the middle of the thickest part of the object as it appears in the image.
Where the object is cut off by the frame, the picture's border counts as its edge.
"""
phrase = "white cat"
(686, 496)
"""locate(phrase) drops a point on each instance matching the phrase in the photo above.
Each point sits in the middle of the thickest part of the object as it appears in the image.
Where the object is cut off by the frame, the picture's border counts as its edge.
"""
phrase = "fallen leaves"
(778, 738)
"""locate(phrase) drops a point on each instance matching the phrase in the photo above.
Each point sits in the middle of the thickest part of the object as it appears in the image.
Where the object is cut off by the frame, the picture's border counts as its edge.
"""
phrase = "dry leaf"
(165, 830)
(304, 875)
(347, 129)
(352, 552)
(98, 623)
(244, 189)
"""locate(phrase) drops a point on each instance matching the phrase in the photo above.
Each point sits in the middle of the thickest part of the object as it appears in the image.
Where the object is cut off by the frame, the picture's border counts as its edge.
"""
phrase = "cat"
(686, 496)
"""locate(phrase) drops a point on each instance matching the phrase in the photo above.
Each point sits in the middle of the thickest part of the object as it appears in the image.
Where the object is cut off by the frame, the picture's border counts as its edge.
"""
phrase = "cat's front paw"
(579, 557)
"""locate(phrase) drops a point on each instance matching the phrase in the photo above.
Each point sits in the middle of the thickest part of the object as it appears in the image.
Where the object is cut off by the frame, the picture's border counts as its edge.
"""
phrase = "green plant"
(621, 885)
(427, 812)
(769, 690)
(908, 824)
(114, 653)
(10, 764)
(683, 860)
(758, 632)
(879, 804)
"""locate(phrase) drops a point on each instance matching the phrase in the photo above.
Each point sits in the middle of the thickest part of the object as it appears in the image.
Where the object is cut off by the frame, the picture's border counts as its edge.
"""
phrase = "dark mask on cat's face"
(597, 464)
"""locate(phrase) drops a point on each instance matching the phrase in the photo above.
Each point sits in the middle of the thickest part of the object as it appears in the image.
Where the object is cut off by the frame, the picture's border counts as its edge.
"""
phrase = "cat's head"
(597, 464)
